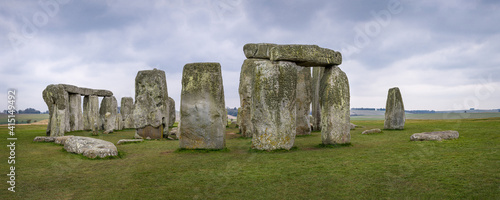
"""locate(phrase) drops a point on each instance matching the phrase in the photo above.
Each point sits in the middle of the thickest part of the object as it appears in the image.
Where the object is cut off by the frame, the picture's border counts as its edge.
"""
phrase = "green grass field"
(23, 118)
(380, 166)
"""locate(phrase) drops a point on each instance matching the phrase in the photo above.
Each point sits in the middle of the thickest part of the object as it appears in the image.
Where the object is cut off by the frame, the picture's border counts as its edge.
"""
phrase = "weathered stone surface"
(353, 126)
(44, 139)
(151, 103)
(57, 101)
(202, 107)
(127, 112)
(335, 111)
(90, 112)
(75, 112)
(171, 118)
(438, 136)
(90, 147)
(376, 130)
(119, 122)
(173, 134)
(238, 118)
(62, 139)
(126, 141)
(303, 101)
(273, 105)
(95, 129)
(316, 108)
(108, 112)
(258, 50)
(305, 55)
(394, 110)
(245, 91)
(86, 91)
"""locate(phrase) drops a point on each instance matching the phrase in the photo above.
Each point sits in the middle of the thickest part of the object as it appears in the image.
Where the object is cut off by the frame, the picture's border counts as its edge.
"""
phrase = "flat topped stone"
(376, 130)
(90, 147)
(303, 55)
(86, 91)
(438, 136)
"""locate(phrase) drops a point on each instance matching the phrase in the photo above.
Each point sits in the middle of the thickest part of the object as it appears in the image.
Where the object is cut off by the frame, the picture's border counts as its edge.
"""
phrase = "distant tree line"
(27, 111)
(232, 111)
(379, 109)
(420, 111)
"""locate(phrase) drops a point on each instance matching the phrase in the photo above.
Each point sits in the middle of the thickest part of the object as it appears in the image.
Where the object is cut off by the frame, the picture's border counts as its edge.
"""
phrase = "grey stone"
(44, 139)
(90, 112)
(75, 112)
(438, 136)
(108, 112)
(62, 139)
(306, 55)
(119, 122)
(90, 147)
(335, 112)
(151, 112)
(259, 50)
(372, 131)
(303, 101)
(95, 130)
(353, 126)
(202, 107)
(126, 141)
(86, 91)
(245, 90)
(173, 134)
(57, 101)
(273, 105)
(394, 110)
(316, 108)
(171, 118)
(127, 112)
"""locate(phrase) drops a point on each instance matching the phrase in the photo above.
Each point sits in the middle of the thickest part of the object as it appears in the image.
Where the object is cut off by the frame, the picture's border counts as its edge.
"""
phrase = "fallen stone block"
(90, 147)
(371, 131)
(436, 136)
(126, 141)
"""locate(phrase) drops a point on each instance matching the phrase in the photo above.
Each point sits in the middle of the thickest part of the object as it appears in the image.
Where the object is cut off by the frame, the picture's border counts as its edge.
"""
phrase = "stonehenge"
(65, 109)
(151, 112)
(108, 113)
(171, 118)
(202, 107)
(272, 95)
(126, 111)
(394, 110)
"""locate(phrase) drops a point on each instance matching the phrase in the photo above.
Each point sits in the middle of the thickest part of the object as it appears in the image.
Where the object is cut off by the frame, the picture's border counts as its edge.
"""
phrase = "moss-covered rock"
(202, 107)
(171, 111)
(57, 100)
(151, 104)
(273, 105)
(75, 112)
(305, 55)
(394, 110)
(303, 101)
(127, 112)
(90, 112)
(107, 113)
(245, 91)
(335, 114)
(259, 50)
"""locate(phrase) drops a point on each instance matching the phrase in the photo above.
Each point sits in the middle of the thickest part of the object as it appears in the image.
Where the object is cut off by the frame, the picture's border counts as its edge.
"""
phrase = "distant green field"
(386, 165)
(23, 118)
(433, 116)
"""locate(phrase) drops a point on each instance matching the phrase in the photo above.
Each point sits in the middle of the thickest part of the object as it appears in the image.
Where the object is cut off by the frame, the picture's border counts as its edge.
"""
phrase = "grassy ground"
(433, 116)
(23, 118)
(380, 166)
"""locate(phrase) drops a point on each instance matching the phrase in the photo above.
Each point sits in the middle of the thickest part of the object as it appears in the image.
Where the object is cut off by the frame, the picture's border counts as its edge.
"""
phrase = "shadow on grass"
(183, 150)
(294, 148)
(334, 145)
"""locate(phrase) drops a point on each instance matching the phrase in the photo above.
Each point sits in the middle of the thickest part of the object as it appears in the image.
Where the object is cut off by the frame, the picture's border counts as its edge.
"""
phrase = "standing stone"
(151, 112)
(303, 101)
(127, 111)
(57, 101)
(335, 114)
(119, 122)
(238, 119)
(245, 91)
(202, 107)
(90, 111)
(95, 130)
(316, 108)
(394, 110)
(108, 112)
(171, 118)
(273, 105)
(75, 112)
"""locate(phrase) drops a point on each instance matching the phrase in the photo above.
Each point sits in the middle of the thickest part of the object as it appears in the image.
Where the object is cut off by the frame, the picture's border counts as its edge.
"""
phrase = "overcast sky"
(443, 55)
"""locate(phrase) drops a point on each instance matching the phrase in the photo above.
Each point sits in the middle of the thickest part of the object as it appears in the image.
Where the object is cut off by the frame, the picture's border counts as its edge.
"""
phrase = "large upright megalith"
(245, 91)
(171, 118)
(202, 107)
(151, 112)
(127, 111)
(273, 105)
(75, 112)
(107, 113)
(394, 110)
(57, 100)
(317, 74)
(90, 112)
(303, 101)
(335, 114)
